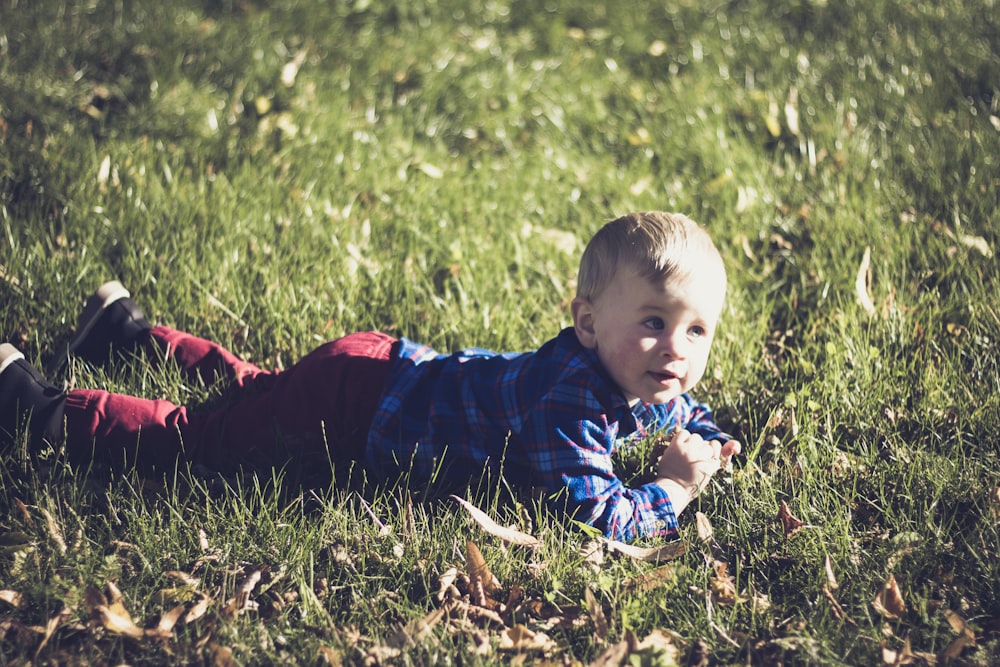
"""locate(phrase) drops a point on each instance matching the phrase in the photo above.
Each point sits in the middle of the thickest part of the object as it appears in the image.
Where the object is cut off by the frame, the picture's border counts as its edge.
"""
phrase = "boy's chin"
(658, 397)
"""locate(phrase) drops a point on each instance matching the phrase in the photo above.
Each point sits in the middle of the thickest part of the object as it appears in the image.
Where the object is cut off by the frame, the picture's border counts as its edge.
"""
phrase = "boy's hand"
(688, 464)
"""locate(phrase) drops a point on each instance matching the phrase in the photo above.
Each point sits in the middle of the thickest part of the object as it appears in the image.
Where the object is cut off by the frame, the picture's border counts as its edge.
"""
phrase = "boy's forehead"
(705, 276)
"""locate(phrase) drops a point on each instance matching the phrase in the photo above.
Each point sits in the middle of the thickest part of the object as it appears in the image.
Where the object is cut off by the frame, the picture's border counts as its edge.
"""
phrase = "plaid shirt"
(550, 418)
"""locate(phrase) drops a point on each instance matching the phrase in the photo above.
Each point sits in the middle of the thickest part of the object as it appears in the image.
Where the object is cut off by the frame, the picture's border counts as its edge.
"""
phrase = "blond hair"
(658, 245)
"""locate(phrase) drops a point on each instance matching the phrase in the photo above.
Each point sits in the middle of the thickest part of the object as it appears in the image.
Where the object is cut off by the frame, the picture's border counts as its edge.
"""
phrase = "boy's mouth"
(663, 376)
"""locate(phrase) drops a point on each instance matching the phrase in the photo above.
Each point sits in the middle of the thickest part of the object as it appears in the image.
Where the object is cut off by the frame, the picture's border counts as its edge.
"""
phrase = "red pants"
(319, 410)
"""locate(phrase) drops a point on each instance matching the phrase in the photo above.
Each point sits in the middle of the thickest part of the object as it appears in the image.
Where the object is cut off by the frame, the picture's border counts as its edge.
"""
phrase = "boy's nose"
(674, 345)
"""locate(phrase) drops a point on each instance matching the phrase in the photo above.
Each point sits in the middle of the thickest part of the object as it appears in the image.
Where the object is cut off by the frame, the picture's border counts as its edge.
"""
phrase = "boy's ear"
(583, 322)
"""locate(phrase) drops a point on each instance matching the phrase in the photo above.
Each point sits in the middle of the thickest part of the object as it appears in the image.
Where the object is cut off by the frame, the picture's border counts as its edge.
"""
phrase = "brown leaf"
(182, 577)
(474, 612)
(889, 601)
(13, 598)
(789, 523)
(112, 615)
(723, 585)
(659, 642)
(198, 609)
(596, 612)
(889, 656)
(330, 656)
(668, 551)
(495, 529)
(22, 509)
(838, 611)
(222, 656)
(170, 619)
(51, 626)
(616, 654)
(699, 654)
(241, 599)
(118, 623)
(956, 646)
(966, 637)
(956, 622)
(446, 585)
(907, 656)
(520, 638)
(479, 571)
(417, 630)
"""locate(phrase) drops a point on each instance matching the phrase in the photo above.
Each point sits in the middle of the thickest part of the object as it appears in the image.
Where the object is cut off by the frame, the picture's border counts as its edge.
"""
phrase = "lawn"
(274, 175)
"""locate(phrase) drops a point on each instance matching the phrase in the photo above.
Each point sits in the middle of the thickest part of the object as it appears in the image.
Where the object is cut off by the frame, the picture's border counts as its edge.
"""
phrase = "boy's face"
(653, 338)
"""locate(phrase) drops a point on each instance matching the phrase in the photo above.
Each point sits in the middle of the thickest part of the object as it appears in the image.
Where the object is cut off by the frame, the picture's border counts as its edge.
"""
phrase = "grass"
(275, 175)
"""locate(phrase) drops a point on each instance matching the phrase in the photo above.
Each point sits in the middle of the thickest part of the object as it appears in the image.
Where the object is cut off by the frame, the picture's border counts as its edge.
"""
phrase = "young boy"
(650, 293)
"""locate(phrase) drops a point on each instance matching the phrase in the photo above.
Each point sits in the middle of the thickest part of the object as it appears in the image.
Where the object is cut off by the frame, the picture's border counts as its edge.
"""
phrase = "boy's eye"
(654, 323)
(698, 332)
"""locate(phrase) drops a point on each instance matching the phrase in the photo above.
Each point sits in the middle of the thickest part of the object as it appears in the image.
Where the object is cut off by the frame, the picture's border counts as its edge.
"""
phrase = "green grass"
(433, 170)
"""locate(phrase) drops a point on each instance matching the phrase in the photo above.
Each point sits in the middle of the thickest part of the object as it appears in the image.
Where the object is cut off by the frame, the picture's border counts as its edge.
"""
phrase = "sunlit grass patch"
(275, 176)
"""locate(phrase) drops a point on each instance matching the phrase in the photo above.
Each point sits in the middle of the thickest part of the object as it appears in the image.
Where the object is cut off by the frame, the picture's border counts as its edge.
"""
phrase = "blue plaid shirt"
(550, 418)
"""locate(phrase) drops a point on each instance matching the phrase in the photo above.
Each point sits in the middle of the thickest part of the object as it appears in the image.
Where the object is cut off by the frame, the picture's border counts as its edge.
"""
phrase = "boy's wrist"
(680, 494)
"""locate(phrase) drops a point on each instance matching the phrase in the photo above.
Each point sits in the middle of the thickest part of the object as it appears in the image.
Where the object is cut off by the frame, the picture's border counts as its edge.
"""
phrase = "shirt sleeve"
(686, 413)
(571, 459)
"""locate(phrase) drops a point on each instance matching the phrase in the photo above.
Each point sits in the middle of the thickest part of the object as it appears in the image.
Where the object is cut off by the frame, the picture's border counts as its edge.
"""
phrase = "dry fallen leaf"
(495, 529)
(723, 585)
(863, 281)
(592, 552)
(668, 551)
(479, 571)
(838, 610)
(889, 601)
(55, 532)
(241, 599)
(330, 656)
(659, 643)
(416, 631)
(51, 626)
(956, 646)
(616, 654)
(966, 637)
(222, 656)
(977, 243)
(446, 585)
(25, 515)
(789, 522)
(705, 530)
(113, 616)
(170, 619)
(956, 622)
(198, 609)
(596, 612)
(13, 598)
(831, 579)
(520, 638)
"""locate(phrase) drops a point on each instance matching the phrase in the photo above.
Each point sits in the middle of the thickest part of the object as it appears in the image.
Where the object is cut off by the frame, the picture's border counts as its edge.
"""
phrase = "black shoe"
(28, 400)
(111, 320)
